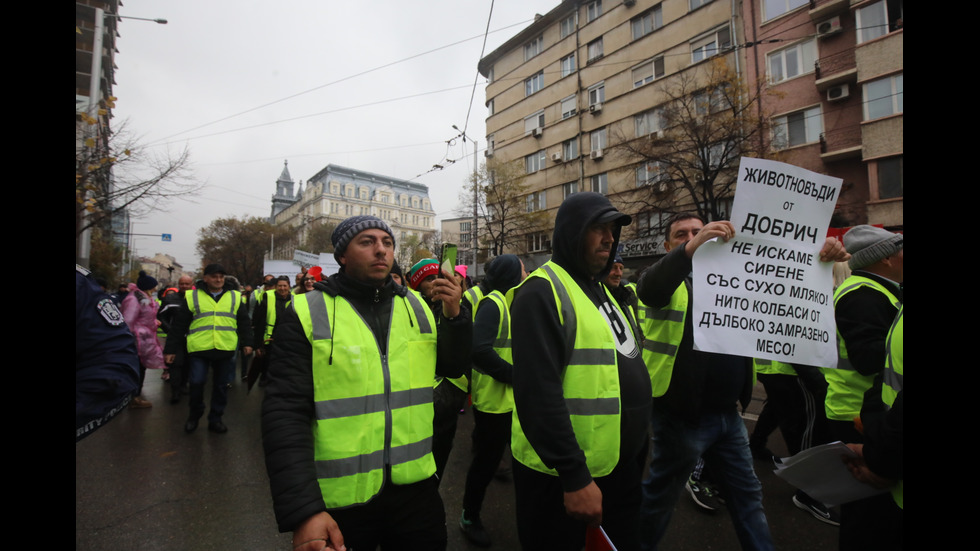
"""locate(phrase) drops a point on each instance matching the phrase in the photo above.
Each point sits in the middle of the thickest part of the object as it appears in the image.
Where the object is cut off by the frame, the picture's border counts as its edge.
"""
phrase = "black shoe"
(473, 530)
(818, 510)
(190, 425)
(217, 426)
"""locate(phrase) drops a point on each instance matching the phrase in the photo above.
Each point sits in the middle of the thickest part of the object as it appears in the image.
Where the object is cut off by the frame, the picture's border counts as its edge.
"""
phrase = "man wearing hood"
(490, 384)
(354, 360)
(581, 391)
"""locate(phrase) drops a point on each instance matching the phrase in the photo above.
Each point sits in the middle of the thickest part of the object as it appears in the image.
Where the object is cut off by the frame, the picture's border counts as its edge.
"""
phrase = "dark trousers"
(543, 524)
(491, 434)
(403, 518)
(447, 398)
(219, 391)
(799, 415)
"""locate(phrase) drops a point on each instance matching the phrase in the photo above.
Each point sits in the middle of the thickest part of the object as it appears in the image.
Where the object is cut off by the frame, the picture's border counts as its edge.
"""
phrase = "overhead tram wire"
(476, 77)
(338, 81)
(328, 112)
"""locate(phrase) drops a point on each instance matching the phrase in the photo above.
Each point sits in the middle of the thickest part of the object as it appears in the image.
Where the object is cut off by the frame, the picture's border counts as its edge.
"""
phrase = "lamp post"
(83, 252)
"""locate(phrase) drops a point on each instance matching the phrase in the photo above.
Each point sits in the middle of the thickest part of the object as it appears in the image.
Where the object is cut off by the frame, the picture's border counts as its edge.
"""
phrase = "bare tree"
(686, 153)
(114, 172)
(502, 207)
(240, 244)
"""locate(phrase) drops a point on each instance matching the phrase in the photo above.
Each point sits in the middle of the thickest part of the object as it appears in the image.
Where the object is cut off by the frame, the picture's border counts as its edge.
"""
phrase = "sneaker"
(703, 495)
(818, 510)
(474, 531)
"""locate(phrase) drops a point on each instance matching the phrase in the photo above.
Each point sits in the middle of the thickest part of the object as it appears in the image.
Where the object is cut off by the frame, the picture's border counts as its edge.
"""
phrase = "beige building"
(568, 91)
(336, 193)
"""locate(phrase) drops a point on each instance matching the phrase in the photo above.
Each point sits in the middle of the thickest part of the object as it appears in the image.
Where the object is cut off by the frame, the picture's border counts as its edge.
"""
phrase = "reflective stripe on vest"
(489, 394)
(663, 329)
(214, 325)
(590, 382)
(772, 367)
(845, 386)
(893, 382)
(270, 314)
(474, 295)
(371, 409)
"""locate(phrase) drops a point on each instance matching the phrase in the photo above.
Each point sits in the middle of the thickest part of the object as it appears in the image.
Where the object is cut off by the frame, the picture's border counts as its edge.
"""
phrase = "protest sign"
(765, 293)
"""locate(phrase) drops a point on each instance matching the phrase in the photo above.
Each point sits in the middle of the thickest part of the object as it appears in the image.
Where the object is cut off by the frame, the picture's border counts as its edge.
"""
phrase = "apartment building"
(835, 72)
(566, 93)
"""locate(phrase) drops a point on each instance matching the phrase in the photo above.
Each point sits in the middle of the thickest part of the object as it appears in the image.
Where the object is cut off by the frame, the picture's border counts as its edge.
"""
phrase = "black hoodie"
(539, 350)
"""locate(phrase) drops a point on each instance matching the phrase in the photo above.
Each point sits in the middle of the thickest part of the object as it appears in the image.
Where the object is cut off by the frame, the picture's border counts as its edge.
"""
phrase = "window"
(533, 48)
(883, 97)
(491, 141)
(568, 107)
(649, 122)
(568, 189)
(533, 122)
(598, 139)
(593, 10)
(890, 177)
(595, 49)
(415, 202)
(716, 155)
(775, 8)
(710, 45)
(599, 183)
(567, 65)
(711, 101)
(791, 62)
(490, 74)
(334, 189)
(536, 201)
(648, 173)
(650, 223)
(879, 19)
(364, 193)
(569, 149)
(647, 23)
(538, 242)
(648, 72)
(801, 127)
(534, 162)
(567, 25)
(490, 107)
(597, 94)
(695, 4)
(534, 84)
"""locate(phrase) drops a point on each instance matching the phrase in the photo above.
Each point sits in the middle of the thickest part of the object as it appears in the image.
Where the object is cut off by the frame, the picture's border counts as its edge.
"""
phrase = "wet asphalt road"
(141, 483)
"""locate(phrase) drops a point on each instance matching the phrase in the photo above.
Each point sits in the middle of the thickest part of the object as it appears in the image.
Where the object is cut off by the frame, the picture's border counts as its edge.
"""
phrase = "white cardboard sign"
(765, 293)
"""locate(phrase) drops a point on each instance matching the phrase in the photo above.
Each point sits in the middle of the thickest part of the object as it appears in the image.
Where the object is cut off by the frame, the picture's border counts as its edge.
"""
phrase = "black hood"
(574, 216)
(503, 272)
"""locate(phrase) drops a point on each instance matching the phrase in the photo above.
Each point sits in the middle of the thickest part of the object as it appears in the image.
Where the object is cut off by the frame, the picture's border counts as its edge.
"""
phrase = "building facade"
(835, 68)
(336, 193)
(572, 93)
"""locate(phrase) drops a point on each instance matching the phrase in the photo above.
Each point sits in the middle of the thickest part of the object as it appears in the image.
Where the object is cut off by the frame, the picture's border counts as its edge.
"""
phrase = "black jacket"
(177, 337)
(288, 408)
(700, 381)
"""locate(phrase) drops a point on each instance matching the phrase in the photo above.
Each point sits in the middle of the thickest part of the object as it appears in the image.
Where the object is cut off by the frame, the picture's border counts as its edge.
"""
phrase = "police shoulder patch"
(110, 312)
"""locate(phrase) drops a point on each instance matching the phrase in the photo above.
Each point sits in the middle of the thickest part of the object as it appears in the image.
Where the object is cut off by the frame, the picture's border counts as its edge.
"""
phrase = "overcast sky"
(245, 84)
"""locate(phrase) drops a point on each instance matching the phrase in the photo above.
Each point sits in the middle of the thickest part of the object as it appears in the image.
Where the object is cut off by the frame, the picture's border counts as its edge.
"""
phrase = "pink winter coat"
(140, 313)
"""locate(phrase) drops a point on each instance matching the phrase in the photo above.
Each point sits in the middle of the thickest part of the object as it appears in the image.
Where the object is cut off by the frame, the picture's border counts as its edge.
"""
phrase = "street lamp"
(83, 251)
